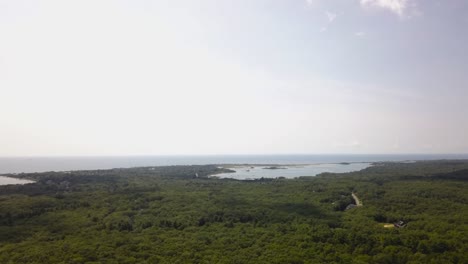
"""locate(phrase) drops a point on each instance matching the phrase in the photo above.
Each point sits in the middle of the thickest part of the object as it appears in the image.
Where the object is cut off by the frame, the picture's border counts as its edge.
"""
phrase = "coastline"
(9, 180)
(11, 165)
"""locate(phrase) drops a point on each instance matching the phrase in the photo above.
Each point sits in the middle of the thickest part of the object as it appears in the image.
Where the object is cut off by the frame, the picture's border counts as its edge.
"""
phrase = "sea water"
(42, 164)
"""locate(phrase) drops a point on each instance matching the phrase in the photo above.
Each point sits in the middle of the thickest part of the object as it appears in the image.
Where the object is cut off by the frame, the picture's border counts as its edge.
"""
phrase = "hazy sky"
(139, 77)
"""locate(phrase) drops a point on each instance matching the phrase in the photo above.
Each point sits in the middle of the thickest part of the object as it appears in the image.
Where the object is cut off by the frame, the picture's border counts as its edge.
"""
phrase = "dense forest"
(411, 213)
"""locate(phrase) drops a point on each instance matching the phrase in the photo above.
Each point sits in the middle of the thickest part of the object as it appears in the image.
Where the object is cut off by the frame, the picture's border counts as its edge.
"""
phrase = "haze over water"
(42, 164)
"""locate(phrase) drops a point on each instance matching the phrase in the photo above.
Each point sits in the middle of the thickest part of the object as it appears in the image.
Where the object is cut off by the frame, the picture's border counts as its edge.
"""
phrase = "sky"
(170, 77)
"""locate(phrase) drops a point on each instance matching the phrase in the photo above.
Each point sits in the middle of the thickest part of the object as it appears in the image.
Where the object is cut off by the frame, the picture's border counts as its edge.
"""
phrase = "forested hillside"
(179, 214)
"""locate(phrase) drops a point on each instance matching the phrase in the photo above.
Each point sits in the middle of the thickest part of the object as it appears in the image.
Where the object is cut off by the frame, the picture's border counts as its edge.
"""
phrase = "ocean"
(42, 164)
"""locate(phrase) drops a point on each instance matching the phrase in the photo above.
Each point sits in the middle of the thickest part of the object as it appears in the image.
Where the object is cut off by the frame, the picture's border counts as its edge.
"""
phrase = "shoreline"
(9, 180)
(221, 165)
(16, 165)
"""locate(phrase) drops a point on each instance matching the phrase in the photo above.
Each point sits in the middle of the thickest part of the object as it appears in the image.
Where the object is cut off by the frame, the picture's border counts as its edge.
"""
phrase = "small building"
(399, 224)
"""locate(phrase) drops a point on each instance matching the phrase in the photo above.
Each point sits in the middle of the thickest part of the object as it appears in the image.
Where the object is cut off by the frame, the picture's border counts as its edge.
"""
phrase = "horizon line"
(211, 155)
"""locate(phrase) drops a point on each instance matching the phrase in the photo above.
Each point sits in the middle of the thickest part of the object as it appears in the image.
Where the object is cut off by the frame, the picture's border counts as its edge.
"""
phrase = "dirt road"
(356, 199)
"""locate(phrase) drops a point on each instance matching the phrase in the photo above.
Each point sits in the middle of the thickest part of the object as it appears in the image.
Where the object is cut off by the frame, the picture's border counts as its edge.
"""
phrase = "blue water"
(41, 164)
(294, 171)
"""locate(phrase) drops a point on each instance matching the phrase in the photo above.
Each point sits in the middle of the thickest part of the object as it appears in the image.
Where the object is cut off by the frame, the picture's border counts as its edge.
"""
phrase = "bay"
(43, 164)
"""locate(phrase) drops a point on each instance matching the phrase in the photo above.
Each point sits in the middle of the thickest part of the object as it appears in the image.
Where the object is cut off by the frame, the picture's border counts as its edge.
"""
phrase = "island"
(275, 168)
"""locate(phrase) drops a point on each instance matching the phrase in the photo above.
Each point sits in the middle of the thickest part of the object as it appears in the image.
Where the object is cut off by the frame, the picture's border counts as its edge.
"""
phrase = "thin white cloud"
(330, 16)
(360, 34)
(398, 7)
(311, 2)
(402, 8)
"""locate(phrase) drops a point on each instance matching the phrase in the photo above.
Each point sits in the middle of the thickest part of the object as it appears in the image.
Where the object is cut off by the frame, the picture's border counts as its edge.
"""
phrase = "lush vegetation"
(180, 215)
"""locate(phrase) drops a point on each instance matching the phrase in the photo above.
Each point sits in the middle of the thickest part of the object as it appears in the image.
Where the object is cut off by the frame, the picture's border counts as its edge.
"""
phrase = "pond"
(250, 172)
(8, 180)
